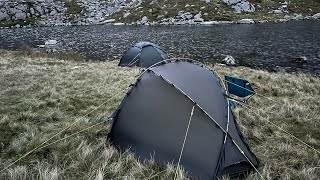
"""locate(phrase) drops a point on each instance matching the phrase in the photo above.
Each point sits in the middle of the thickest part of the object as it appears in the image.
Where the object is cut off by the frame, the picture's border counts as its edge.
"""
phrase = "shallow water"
(268, 46)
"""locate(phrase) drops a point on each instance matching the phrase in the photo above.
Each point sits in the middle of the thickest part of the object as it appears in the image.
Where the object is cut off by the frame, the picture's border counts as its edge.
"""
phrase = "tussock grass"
(40, 96)
(294, 106)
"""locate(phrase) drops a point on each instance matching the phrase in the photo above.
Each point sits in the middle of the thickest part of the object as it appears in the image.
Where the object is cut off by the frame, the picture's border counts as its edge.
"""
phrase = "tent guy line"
(184, 142)
(43, 144)
(250, 108)
(253, 92)
(161, 67)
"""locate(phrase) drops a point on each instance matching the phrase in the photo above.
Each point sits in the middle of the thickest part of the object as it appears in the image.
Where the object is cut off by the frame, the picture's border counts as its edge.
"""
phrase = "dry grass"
(294, 107)
(41, 96)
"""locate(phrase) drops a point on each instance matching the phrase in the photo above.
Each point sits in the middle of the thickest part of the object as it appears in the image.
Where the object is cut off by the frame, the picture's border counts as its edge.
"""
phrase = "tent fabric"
(161, 101)
(143, 54)
(239, 87)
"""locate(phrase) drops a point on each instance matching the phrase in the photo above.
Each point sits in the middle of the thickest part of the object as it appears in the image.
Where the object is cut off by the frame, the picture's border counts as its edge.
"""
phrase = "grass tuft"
(42, 95)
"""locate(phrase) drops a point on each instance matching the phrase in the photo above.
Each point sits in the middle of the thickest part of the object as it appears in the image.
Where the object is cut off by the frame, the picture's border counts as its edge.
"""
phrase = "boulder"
(246, 21)
(209, 23)
(231, 2)
(20, 15)
(118, 24)
(144, 20)
(53, 13)
(277, 11)
(300, 59)
(316, 16)
(126, 14)
(4, 16)
(32, 11)
(230, 61)
(197, 16)
(243, 6)
(39, 10)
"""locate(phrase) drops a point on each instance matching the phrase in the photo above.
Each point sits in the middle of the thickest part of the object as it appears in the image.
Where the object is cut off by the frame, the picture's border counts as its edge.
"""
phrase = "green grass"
(40, 96)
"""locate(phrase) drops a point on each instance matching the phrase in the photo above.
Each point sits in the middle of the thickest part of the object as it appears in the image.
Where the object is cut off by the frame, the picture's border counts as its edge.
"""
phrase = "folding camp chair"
(239, 87)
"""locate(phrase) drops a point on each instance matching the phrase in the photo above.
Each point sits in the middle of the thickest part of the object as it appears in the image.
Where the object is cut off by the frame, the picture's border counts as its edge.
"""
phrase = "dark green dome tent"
(143, 54)
(153, 117)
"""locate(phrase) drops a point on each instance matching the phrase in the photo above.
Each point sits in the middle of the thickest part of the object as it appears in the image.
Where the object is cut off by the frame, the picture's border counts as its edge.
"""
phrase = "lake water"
(267, 46)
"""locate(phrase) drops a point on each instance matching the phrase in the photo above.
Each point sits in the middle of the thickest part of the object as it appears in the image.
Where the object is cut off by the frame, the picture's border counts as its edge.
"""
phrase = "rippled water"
(267, 46)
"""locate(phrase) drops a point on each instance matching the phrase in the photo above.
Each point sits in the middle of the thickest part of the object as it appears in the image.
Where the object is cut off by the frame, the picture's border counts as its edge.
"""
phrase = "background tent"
(143, 54)
(153, 117)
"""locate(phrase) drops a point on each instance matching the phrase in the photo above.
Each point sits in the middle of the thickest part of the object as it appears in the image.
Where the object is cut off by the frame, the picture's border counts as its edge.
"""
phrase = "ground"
(41, 96)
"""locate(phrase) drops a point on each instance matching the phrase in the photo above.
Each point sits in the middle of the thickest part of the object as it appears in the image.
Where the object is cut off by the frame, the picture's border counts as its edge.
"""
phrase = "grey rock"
(119, 24)
(39, 10)
(20, 7)
(32, 11)
(197, 16)
(243, 6)
(209, 23)
(4, 16)
(316, 16)
(144, 20)
(300, 59)
(230, 61)
(277, 11)
(231, 2)
(53, 13)
(20, 15)
(246, 21)
(126, 14)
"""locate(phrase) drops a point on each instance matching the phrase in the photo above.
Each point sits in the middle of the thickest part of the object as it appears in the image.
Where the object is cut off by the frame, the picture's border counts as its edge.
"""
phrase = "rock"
(277, 11)
(301, 59)
(160, 16)
(118, 24)
(187, 5)
(144, 20)
(246, 21)
(109, 20)
(231, 2)
(126, 14)
(50, 44)
(230, 61)
(53, 13)
(202, 8)
(209, 23)
(316, 16)
(207, 1)
(20, 15)
(243, 6)
(197, 15)
(4, 16)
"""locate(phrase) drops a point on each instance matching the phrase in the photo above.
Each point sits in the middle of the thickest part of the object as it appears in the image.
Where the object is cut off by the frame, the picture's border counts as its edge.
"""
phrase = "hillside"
(43, 95)
(84, 12)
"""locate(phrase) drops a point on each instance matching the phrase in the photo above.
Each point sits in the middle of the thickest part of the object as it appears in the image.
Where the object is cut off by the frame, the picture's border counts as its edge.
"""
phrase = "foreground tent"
(153, 117)
(143, 54)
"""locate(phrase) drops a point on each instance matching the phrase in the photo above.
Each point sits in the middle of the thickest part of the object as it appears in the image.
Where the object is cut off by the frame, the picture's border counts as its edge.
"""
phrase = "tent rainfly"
(143, 54)
(153, 117)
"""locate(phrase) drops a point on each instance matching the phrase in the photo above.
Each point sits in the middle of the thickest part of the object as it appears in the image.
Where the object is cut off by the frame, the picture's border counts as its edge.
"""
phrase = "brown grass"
(40, 96)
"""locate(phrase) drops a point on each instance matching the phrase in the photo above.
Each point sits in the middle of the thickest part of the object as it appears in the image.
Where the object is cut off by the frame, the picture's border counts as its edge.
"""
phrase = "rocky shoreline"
(30, 13)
